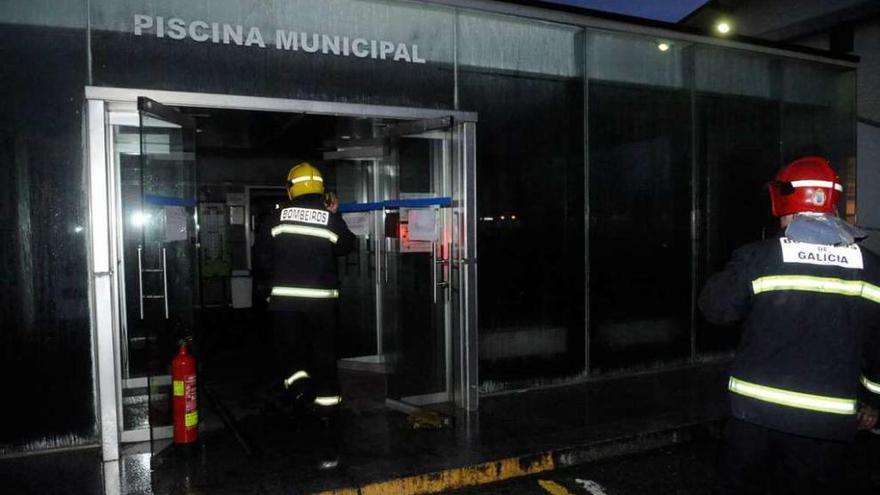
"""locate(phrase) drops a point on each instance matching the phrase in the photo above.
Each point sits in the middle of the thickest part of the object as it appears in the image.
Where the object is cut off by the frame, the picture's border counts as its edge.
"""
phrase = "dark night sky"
(661, 10)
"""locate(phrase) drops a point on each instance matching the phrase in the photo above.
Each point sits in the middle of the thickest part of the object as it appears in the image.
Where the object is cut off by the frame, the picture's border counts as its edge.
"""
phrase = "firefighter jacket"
(810, 318)
(297, 246)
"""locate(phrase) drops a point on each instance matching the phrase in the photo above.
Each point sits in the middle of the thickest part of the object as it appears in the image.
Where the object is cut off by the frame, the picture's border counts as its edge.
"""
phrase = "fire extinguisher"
(184, 407)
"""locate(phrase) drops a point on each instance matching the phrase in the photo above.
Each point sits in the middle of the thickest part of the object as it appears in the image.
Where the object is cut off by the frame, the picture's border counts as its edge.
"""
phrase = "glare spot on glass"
(77, 229)
(139, 219)
(513, 217)
(663, 46)
(503, 217)
(723, 27)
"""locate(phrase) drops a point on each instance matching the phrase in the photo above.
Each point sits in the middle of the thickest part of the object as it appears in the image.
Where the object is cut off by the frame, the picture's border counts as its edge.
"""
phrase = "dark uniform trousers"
(754, 457)
(304, 342)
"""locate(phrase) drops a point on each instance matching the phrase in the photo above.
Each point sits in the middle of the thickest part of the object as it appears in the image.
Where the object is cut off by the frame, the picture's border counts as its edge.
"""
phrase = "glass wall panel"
(357, 296)
(45, 338)
(640, 203)
(636, 59)
(640, 200)
(737, 143)
(375, 52)
(819, 119)
(524, 79)
(735, 72)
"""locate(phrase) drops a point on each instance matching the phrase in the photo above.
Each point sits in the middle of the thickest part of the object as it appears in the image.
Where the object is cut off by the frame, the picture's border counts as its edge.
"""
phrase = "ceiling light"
(663, 46)
(723, 27)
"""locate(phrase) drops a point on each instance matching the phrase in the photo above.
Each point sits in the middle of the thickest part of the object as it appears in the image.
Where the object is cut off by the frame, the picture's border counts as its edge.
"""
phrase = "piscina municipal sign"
(280, 39)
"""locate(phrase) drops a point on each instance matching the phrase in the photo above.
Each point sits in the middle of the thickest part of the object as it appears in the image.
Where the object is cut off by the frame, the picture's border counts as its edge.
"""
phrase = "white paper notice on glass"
(175, 223)
(236, 215)
(358, 222)
(422, 224)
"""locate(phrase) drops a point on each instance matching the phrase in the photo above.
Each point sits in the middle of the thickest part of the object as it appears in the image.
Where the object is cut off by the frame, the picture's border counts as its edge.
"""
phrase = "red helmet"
(806, 184)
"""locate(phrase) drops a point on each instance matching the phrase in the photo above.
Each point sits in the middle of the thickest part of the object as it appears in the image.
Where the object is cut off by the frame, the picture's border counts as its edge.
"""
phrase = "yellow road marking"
(553, 487)
(451, 479)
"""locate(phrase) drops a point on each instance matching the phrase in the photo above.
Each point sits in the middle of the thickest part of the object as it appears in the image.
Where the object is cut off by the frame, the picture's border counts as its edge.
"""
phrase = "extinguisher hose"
(228, 420)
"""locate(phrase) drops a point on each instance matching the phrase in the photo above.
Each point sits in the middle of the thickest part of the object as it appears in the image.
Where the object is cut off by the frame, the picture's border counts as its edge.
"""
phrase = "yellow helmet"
(304, 179)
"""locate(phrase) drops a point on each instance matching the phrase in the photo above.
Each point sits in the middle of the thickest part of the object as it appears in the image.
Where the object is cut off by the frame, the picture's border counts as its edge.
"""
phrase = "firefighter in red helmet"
(807, 371)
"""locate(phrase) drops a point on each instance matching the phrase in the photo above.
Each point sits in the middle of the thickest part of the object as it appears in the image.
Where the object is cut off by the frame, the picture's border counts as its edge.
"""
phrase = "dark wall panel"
(738, 150)
(45, 341)
(530, 173)
(640, 204)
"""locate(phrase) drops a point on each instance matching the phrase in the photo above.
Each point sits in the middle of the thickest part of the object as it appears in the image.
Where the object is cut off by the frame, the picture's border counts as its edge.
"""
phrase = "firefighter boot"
(329, 434)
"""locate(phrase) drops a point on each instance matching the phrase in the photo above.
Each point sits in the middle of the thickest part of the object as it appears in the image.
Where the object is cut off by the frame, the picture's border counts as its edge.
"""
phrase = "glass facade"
(524, 80)
(45, 338)
(615, 171)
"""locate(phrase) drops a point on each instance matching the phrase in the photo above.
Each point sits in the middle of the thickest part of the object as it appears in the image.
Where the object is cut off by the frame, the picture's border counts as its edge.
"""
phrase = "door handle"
(442, 264)
(141, 279)
(434, 263)
(165, 281)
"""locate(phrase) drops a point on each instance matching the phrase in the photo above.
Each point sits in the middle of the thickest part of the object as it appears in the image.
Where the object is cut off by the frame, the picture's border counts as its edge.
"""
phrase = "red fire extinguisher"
(184, 407)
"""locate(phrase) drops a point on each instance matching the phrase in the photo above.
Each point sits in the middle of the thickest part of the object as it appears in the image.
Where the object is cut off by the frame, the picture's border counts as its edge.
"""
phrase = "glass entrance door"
(414, 180)
(151, 154)
(166, 271)
(418, 192)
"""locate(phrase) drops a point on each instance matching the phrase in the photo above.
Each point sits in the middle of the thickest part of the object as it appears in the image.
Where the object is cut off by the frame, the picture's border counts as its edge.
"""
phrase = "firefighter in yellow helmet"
(305, 236)
(304, 179)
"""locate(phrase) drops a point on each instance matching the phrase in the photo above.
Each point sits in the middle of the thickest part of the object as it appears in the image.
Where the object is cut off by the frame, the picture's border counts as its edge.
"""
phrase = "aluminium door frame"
(102, 242)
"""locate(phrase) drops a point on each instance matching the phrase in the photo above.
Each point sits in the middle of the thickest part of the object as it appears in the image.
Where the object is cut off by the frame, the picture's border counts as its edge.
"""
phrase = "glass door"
(166, 271)
(414, 181)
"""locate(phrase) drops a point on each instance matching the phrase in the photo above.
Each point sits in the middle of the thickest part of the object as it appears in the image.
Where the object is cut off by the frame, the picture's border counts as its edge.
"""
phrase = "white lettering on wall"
(359, 48)
(387, 48)
(235, 34)
(142, 22)
(176, 29)
(197, 31)
(254, 37)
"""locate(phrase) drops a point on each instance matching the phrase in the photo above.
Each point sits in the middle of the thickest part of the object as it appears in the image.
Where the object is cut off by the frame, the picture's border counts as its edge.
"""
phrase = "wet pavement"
(683, 469)
(571, 425)
(61, 473)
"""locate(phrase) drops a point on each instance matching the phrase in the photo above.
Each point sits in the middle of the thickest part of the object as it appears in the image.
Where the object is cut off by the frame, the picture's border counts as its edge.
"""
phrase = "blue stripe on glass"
(169, 201)
(395, 203)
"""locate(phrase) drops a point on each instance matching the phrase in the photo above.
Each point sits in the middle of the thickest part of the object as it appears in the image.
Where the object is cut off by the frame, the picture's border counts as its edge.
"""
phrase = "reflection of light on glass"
(488, 219)
(663, 47)
(139, 219)
(513, 217)
(503, 217)
(723, 27)
(77, 229)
